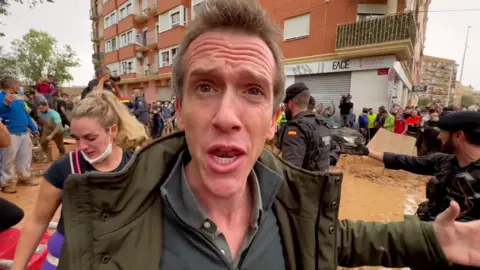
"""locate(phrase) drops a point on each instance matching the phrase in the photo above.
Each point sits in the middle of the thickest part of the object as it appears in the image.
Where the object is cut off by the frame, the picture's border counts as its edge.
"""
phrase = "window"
(105, 1)
(361, 17)
(110, 20)
(197, 9)
(122, 13)
(127, 67)
(129, 9)
(126, 38)
(175, 18)
(111, 44)
(197, 6)
(174, 52)
(167, 56)
(115, 72)
(297, 27)
(114, 43)
(370, 11)
(165, 61)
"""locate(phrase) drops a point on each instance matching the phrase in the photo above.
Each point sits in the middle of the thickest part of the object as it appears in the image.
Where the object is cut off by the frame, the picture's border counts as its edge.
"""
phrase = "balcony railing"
(395, 27)
(98, 57)
(95, 36)
(141, 40)
(94, 14)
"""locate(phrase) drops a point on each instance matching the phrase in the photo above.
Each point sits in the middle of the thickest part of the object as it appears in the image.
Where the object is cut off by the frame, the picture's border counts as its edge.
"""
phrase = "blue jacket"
(140, 110)
(363, 121)
(15, 116)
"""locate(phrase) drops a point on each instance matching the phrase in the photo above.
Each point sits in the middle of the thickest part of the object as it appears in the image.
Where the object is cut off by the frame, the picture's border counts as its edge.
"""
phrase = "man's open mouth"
(225, 156)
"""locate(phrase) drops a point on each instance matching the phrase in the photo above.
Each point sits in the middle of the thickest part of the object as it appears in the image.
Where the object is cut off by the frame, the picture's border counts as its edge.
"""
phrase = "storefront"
(366, 79)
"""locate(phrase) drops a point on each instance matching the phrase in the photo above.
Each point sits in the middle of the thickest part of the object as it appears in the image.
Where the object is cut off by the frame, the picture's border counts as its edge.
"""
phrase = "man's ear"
(273, 127)
(178, 111)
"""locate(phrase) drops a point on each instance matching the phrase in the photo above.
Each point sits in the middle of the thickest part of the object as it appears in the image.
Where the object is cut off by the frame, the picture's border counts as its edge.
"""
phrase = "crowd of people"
(210, 196)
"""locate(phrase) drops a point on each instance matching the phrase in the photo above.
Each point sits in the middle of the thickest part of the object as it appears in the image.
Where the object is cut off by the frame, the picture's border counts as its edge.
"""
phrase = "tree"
(4, 4)
(37, 54)
(423, 101)
(7, 64)
(467, 101)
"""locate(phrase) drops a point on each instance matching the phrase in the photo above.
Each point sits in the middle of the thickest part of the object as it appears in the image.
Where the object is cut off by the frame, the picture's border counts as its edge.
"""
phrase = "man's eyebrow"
(203, 71)
(258, 77)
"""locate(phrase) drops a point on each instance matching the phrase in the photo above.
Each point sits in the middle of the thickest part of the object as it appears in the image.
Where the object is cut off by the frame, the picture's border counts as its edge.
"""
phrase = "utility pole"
(464, 54)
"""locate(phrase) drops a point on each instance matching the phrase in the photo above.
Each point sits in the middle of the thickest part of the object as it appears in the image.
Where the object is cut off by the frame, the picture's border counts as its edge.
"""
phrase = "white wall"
(369, 90)
(165, 18)
(289, 80)
(164, 93)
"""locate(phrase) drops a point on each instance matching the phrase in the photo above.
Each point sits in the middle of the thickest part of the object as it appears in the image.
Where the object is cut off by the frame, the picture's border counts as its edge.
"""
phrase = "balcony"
(97, 58)
(391, 34)
(152, 39)
(153, 10)
(94, 14)
(141, 44)
(95, 36)
(141, 16)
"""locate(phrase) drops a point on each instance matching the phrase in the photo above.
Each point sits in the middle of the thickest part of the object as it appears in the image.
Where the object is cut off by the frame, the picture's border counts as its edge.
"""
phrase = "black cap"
(294, 90)
(455, 121)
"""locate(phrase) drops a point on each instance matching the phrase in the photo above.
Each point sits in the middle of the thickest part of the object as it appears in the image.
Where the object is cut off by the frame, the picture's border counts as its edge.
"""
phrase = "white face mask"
(103, 156)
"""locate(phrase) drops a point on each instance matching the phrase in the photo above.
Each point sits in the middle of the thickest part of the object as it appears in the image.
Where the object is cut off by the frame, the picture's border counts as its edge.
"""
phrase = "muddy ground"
(369, 192)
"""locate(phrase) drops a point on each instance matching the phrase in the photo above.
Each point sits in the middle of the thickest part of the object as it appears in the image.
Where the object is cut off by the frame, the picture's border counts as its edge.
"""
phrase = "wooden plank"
(386, 141)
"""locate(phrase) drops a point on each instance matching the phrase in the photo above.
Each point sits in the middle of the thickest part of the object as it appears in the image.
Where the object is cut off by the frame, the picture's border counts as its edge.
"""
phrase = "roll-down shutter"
(328, 87)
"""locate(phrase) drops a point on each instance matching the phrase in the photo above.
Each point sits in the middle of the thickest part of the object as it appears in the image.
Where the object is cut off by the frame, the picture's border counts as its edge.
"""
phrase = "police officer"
(140, 107)
(456, 171)
(306, 141)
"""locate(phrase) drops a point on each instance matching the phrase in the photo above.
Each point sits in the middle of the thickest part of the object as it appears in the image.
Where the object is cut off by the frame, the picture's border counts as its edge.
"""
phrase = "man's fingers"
(450, 214)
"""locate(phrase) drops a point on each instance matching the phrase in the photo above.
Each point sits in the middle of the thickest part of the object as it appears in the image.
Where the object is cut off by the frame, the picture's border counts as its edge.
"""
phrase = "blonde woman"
(101, 126)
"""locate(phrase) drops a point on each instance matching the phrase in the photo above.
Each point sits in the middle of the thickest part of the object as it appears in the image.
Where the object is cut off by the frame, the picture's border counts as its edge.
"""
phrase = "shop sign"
(343, 65)
(419, 88)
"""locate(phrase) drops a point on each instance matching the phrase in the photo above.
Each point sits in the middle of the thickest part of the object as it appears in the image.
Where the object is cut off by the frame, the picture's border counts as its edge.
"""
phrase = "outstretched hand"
(460, 241)
(361, 149)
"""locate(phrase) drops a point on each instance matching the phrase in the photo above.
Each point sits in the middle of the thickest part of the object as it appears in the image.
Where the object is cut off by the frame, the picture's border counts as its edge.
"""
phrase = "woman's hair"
(108, 111)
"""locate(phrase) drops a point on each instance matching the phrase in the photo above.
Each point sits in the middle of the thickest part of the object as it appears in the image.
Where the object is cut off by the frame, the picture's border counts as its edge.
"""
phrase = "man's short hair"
(302, 99)
(42, 103)
(8, 82)
(100, 71)
(245, 16)
(311, 103)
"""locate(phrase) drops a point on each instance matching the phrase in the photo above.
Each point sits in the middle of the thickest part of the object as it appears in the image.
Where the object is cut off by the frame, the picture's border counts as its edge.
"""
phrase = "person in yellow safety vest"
(371, 123)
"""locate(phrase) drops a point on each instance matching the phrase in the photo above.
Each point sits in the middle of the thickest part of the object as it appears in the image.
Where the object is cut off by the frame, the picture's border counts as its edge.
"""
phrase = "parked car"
(344, 136)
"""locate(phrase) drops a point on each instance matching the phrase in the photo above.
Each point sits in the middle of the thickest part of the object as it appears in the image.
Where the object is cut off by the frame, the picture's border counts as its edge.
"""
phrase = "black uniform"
(449, 182)
(307, 143)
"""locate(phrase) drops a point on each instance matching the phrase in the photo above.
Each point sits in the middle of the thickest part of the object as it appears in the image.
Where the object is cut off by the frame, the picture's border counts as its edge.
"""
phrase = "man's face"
(288, 111)
(42, 108)
(446, 138)
(414, 114)
(227, 109)
(107, 74)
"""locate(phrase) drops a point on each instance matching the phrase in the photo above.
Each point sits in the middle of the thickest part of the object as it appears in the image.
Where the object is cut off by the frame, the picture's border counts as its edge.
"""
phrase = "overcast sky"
(68, 21)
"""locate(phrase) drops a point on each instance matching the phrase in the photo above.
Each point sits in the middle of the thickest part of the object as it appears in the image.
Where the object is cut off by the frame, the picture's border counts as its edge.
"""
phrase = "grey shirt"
(200, 234)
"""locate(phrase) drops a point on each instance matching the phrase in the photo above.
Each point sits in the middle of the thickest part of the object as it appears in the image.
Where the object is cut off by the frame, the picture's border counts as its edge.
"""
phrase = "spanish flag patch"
(292, 133)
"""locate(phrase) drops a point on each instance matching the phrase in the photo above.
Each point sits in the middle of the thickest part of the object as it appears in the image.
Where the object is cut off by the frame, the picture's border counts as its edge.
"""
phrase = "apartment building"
(369, 48)
(439, 76)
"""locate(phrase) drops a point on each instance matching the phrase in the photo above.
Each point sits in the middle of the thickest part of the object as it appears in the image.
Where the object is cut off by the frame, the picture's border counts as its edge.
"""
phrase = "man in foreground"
(211, 198)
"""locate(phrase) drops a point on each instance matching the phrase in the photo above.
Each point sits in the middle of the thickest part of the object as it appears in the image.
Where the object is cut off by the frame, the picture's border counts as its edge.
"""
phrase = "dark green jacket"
(114, 220)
